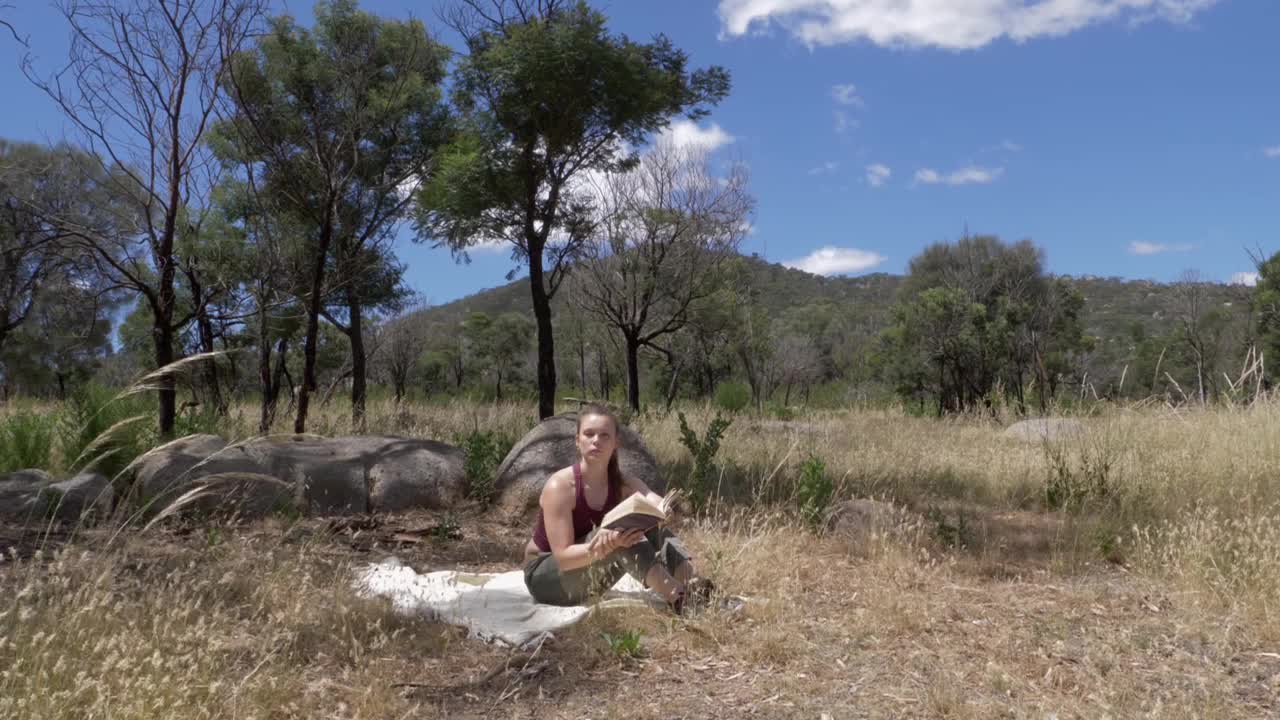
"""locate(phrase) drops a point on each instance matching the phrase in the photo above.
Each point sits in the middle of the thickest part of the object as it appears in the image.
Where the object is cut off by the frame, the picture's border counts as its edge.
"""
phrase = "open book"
(639, 513)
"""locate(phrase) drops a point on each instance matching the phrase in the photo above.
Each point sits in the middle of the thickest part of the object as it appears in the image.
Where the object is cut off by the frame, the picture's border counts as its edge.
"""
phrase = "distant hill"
(1112, 305)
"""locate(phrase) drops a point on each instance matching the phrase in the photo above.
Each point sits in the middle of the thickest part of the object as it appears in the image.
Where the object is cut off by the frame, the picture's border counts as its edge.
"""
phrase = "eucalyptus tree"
(665, 230)
(548, 94)
(338, 124)
(139, 88)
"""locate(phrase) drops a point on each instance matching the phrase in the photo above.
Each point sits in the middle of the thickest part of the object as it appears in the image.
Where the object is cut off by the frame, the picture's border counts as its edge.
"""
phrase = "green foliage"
(733, 396)
(26, 441)
(981, 317)
(625, 645)
(447, 528)
(950, 534)
(704, 451)
(814, 491)
(99, 431)
(484, 451)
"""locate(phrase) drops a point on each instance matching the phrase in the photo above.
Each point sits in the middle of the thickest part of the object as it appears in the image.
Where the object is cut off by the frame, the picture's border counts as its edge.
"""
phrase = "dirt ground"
(838, 629)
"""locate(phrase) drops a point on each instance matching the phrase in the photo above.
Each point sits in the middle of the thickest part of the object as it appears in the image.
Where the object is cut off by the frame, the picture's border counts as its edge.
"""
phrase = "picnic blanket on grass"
(493, 606)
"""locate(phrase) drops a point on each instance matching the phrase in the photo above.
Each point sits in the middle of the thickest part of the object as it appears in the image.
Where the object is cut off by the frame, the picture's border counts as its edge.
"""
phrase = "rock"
(86, 494)
(165, 472)
(549, 447)
(1041, 429)
(245, 496)
(18, 491)
(861, 518)
(409, 473)
(328, 478)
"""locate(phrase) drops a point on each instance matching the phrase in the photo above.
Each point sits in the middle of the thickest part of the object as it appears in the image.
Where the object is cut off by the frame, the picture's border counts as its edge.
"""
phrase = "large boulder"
(87, 494)
(18, 491)
(549, 447)
(168, 471)
(242, 495)
(367, 473)
(327, 479)
(1042, 429)
(409, 473)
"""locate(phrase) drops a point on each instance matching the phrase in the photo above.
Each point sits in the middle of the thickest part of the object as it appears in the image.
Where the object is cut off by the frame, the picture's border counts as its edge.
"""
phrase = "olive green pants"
(548, 584)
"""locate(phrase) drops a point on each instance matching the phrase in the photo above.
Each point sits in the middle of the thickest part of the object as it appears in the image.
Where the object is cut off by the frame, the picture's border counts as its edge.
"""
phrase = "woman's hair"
(615, 472)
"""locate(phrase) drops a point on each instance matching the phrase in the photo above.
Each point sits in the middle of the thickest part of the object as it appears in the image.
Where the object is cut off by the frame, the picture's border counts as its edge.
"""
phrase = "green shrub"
(704, 450)
(26, 441)
(950, 534)
(732, 396)
(814, 491)
(625, 644)
(484, 451)
(101, 431)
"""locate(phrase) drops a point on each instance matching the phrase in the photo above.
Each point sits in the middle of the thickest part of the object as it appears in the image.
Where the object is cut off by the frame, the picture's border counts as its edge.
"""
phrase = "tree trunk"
(546, 342)
(633, 371)
(162, 335)
(673, 387)
(313, 322)
(497, 387)
(355, 334)
(582, 367)
(204, 333)
(264, 369)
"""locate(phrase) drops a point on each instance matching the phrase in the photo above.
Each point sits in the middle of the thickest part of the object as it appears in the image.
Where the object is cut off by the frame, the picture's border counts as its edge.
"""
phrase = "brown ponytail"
(614, 470)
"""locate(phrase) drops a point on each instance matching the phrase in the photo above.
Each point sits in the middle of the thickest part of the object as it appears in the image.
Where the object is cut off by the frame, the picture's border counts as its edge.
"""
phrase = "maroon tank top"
(585, 517)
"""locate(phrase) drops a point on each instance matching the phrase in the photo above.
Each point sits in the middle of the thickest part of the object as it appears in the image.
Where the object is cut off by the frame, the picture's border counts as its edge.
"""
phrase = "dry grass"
(1026, 618)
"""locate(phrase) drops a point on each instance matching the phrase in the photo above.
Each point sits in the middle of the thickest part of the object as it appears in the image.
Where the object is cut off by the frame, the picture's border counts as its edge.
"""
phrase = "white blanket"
(493, 606)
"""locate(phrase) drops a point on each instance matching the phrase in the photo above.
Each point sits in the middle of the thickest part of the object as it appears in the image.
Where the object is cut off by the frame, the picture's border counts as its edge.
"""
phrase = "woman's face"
(597, 438)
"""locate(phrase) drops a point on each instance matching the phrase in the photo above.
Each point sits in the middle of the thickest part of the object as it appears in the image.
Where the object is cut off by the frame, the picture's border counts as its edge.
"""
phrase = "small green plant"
(732, 397)
(484, 451)
(448, 528)
(814, 491)
(624, 645)
(704, 451)
(98, 430)
(26, 441)
(950, 534)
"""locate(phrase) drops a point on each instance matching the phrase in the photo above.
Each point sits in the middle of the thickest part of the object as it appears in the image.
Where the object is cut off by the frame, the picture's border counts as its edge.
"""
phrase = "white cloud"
(844, 122)
(971, 175)
(1011, 146)
(878, 174)
(950, 24)
(686, 133)
(831, 260)
(1244, 278)
(1272, 152)
(846, 95)
(825, 168)
(1141, 247)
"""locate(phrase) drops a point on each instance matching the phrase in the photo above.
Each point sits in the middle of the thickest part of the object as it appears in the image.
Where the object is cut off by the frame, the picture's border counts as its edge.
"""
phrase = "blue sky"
(1135, 138)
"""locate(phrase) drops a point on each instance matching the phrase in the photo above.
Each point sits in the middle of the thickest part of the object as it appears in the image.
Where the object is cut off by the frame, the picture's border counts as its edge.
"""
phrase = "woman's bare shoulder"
(560, 483)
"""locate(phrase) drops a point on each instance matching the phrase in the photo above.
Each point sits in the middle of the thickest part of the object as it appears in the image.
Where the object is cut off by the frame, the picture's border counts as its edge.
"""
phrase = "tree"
(338, 124)
(548, 95)
(31, 250)
(65, 337)
(1266, 305)
(499, 343)
(665, 228)
(143, 82)
(979, 315)
(405, 341)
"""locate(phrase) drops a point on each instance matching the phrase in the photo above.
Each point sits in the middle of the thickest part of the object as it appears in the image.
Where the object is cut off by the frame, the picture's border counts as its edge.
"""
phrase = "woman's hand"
(607, 541)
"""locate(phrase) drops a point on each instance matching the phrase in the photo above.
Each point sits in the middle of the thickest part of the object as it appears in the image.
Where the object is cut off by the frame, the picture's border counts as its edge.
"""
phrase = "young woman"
(565, 562)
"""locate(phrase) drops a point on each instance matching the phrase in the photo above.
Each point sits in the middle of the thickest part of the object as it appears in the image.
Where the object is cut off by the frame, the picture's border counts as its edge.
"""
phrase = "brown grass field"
(1159, 597)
